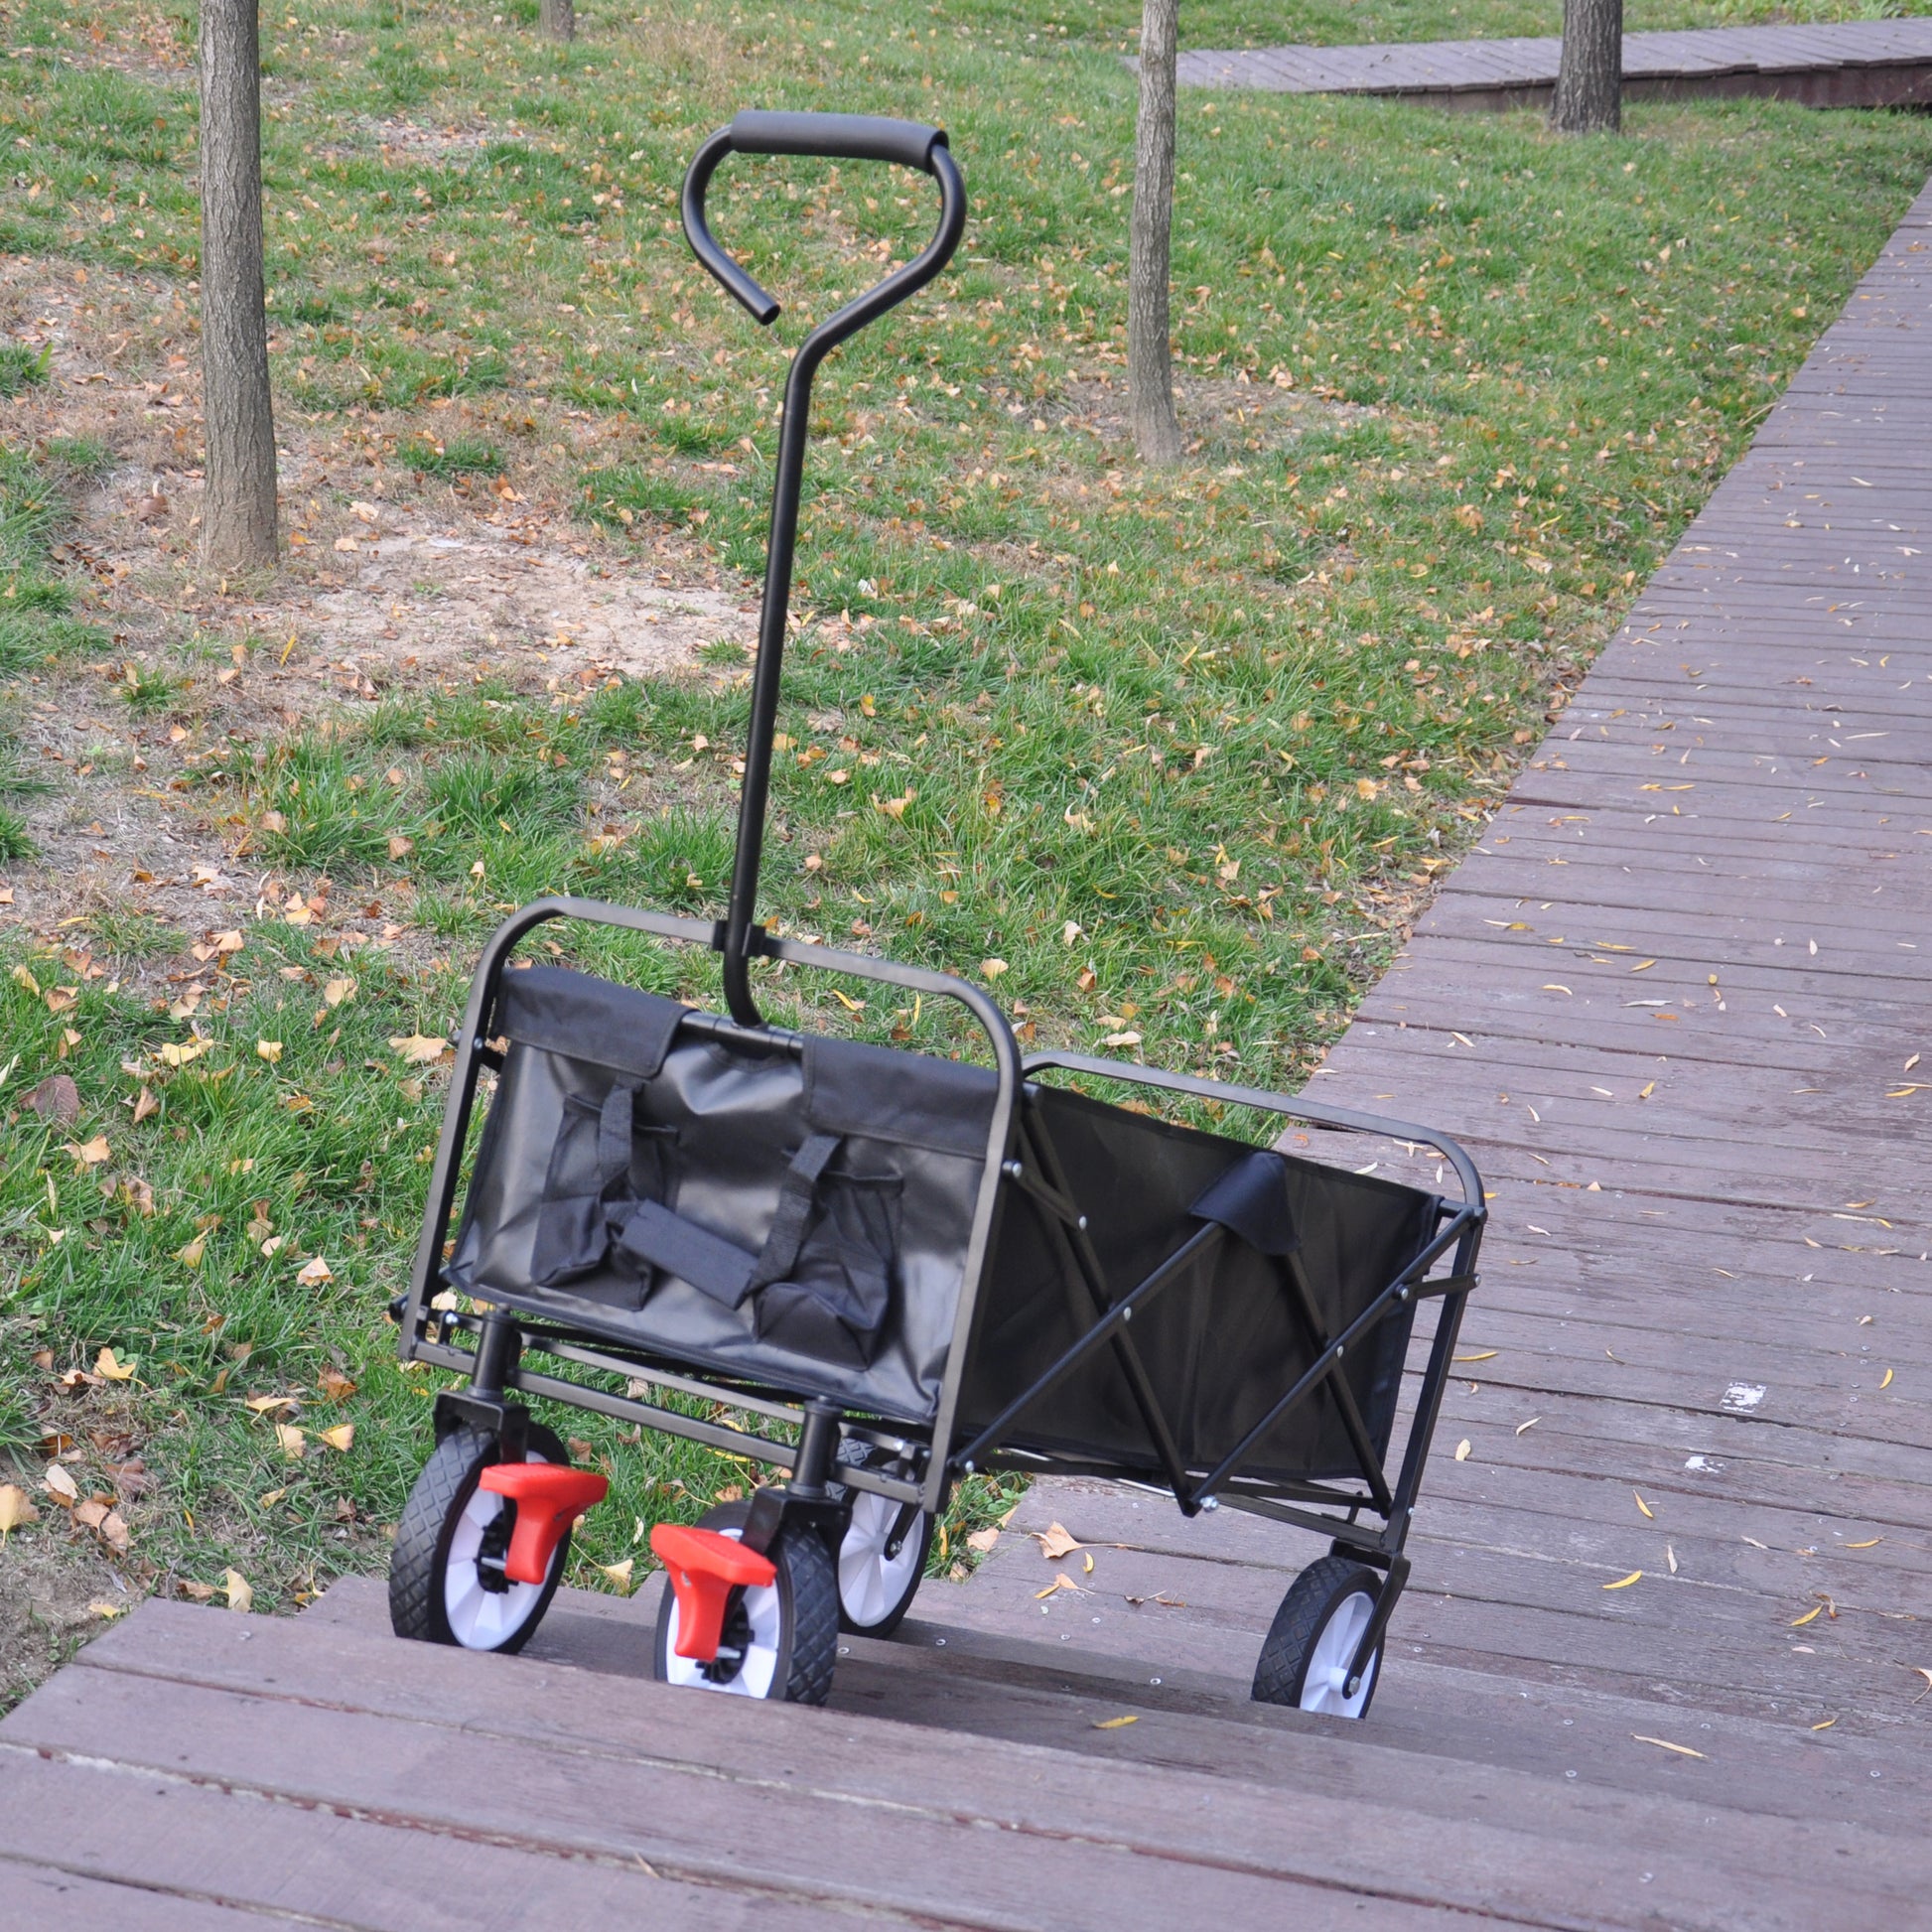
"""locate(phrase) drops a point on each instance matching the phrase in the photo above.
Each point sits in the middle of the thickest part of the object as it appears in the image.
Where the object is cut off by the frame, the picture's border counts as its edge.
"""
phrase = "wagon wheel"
(443, 1588)
(781, 1639)
(1311, 1645)
(875, 1590)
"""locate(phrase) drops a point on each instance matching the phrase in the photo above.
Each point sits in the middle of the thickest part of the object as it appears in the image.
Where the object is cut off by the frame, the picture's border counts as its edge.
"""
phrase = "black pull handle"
(838, 137)
(833, 137)
(852, 137)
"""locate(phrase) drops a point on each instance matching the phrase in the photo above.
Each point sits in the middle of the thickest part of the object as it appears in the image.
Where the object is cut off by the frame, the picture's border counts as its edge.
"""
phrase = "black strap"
(781, 1251)
(1250, 1198)
(613, 1131)
(653, 1233)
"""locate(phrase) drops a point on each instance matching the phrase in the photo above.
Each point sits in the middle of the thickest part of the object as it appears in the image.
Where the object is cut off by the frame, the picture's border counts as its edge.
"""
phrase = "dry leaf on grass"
(1055, 1542)
(89, 1154)
(294, 1442)
(313, 1274)
(145, 1104)
(339, 1438)
(184, 1053)
(419, 1049)
(240, 1595)
(262, 1404)
(111, 1368)
(981, 1540)
(335, 1384)
(335, 992)
(61, 1485)
(190, 1256)
(269, 1050)
(619, 1573)
(107, 1611)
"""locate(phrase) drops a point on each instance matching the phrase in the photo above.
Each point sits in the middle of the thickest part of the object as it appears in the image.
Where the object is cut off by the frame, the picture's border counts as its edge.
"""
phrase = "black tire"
(419, 1565)
(801, 1613)
(864, 1613)
(1318, 1624)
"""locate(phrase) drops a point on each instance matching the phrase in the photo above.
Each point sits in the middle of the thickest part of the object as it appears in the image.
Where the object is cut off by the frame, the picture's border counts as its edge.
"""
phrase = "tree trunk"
(238, 505)
(1590, 77)
(558, 19)
(1150, 351)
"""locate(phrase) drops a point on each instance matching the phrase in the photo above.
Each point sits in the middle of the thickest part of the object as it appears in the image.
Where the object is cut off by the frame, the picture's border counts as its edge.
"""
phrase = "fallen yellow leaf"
(1462, 1450)
(339, 1438)
(1055, 1542)
(1481, 1355)
(109, 1610)
(1665, 1744)
(1825, 1726)
(1062, 1582)
(181, 1053)
(314, 1272)
(240, 1595)
(336, 991)
(60, 1485)
(269, 1050)
(847, 1001)
(89, 1154)
(419, 1049)
(1870, 1544)
(619, 1573)
(1087, 1565)
(261, 1403)
(1886, 1383)
(109, 1366)
(270, 1497)
(1114, 1723)
(295, 1444)
(1645, 1506)
(16, 1509)
(1624, 1583)
(190, 1256)
(1799, 1622)
(1521, 1427)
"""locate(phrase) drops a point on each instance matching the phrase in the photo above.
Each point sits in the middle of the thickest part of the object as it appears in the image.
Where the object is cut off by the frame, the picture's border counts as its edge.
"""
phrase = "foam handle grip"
(838, 137)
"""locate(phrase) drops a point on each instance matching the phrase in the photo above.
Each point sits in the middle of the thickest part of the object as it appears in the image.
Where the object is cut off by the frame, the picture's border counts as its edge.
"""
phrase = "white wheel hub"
(1324, 1684)
(872, 1585)
(755, 1676)
(482, 1618)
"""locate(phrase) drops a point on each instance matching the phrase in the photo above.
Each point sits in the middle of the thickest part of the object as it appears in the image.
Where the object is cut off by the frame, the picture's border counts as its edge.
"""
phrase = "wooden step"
(566, 1763)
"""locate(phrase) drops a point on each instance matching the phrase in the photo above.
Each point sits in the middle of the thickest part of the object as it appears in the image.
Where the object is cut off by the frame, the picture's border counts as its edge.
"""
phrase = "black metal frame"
(920, 1464)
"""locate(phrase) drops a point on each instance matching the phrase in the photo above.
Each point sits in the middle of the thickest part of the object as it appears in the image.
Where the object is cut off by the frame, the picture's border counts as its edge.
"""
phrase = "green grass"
(21, 367)
(16, 843)
(1181, 752)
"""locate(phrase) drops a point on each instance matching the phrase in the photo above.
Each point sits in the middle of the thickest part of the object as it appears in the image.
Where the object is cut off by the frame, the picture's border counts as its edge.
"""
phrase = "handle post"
(832, 136)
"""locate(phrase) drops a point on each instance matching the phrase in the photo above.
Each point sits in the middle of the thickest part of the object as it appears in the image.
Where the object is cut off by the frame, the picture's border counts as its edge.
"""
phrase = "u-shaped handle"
(833, 137)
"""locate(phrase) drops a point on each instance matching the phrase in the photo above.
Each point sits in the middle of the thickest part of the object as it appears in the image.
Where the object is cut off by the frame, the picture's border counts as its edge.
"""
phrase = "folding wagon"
(876, 1271)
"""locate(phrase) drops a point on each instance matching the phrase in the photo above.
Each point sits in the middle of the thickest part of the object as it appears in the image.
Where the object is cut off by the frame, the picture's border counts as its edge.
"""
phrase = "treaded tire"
(419, 1563)
(1313, 1627)
(805, 1638)
(881, 1622)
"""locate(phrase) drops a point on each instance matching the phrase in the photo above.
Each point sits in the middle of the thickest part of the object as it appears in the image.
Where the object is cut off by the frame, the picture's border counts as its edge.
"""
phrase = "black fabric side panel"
(588, 1018)
(910, 1100)
(1222, 1343)
(1251, 1200)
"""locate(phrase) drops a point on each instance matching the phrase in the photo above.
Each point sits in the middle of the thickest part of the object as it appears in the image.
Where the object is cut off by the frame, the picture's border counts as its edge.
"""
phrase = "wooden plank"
(1206, 1819)
(50, 1898)
(161, 1838)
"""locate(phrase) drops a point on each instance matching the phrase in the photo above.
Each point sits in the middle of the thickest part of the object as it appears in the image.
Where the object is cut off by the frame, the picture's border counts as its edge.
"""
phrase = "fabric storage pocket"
(833, 1299)
(605, 1161)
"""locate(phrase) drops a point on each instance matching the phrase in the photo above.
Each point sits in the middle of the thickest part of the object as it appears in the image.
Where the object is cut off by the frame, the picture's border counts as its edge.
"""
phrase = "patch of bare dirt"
(1215, 412)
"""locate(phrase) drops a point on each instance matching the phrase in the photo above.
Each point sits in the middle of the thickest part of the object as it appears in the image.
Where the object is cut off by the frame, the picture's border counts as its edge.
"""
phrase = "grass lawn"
(1172, 759)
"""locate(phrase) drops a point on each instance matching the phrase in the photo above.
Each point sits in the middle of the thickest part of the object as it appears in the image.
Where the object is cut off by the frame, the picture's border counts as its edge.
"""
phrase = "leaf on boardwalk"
(1799, 1622)
(1531, 1424)
(1645, 1506)
(1062, 1582)
(1055, 1542)
(1665, 1744)
(983, 1540)
(1624, 1583)
(1114, 1723)
(1871, 1543)
(1481, 1355)
(1462, 1450)
(1825, 1726)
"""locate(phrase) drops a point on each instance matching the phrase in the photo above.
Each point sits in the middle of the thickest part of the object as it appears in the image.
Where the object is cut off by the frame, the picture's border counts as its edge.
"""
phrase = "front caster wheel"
(781, 1639)
(446, 1575)
(875, 1590)
(1311, 1643)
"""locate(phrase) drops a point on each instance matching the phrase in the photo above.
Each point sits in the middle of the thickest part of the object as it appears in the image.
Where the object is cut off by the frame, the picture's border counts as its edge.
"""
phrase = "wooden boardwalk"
(1675, 1005)
(1844, 64)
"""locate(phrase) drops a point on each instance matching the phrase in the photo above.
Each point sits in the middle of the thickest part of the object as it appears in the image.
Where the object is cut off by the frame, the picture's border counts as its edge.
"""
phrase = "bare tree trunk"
(1150, 350)
(1589, 77)
(558, 19)
(238, 506)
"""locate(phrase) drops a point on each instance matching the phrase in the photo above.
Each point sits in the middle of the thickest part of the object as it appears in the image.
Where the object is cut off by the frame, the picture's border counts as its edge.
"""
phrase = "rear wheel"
(445, 1574)
(1311, 1647)
(875, 1590)
(781, 1639)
